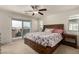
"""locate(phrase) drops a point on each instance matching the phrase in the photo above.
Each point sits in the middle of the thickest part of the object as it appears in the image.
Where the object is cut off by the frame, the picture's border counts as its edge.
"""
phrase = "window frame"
(41, 25)
(73, 24)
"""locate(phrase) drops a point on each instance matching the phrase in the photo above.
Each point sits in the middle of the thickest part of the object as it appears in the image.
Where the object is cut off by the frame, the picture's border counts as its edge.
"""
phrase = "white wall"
(5, 24)
(5, 28)
(53, 19)
(35, 25)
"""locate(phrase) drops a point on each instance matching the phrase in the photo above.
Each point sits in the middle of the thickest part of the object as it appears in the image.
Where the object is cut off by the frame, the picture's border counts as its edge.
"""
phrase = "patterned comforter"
(45, 39)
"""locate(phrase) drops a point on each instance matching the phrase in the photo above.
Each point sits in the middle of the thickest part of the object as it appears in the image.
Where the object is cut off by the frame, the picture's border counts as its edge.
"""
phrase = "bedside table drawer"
(70, 36)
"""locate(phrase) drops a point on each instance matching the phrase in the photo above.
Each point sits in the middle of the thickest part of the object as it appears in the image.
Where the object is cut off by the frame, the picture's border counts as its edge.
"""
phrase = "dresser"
(70, 40)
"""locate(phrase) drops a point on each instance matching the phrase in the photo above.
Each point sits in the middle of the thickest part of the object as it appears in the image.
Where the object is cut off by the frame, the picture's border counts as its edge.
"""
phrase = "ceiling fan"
(36, 10)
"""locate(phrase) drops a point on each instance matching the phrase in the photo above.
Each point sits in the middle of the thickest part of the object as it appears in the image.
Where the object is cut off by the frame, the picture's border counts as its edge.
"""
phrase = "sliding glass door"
(26, 27)
(16, 28)
(20, 28)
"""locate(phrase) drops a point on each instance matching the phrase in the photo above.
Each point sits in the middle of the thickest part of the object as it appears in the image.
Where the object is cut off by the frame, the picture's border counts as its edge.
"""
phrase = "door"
(27, 25)
(16, 28)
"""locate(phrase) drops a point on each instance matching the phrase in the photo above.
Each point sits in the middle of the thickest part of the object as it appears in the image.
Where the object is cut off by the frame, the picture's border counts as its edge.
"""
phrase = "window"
(26, 27)
(16, 28)
(74, 22)
(73, 26)
(27, 24)
(20, 27)
(16, 24)
(41, 24)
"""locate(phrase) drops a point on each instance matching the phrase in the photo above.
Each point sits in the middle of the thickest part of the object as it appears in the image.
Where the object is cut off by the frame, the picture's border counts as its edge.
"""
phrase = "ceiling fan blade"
(29, 11)
(33, 14)
(40, 13)
(42, 9)
(36, 6)
(33, 7)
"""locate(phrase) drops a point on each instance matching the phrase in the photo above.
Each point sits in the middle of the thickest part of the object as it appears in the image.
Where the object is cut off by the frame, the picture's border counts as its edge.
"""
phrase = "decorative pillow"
(48, 30)
(58, 31)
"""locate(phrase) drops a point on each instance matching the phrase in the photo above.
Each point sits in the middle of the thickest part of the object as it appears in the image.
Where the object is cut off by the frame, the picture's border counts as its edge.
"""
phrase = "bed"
(44, 47)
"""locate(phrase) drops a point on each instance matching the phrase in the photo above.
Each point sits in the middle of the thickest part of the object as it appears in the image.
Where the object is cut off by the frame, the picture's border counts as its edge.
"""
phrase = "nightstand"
(70, 40)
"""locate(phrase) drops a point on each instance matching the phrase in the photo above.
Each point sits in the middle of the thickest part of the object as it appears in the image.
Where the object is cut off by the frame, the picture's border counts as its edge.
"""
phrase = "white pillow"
(48, 30)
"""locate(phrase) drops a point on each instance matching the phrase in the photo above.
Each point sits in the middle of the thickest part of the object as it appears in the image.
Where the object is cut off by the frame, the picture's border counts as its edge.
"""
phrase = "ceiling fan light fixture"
(36, 12)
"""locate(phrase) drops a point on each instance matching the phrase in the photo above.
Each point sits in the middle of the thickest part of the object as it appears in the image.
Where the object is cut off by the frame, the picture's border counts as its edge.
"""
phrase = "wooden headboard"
(55, 26)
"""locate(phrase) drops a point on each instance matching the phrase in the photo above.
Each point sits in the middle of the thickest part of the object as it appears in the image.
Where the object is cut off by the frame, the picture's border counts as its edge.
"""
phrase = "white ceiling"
(51, 9)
